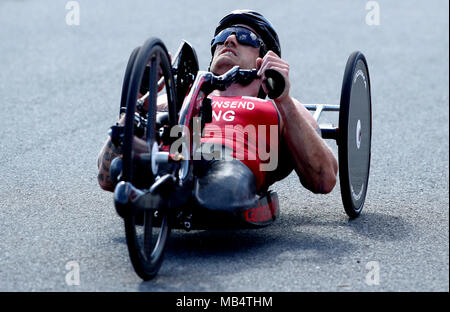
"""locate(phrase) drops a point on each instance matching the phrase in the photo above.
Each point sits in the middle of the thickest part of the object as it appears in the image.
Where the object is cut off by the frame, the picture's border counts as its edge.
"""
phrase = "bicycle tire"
(126, 79)
(355, 117)
(147, 256)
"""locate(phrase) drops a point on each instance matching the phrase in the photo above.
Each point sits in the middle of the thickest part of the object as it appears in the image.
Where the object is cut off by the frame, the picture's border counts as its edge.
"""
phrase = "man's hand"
(314, 162)
(273, 61)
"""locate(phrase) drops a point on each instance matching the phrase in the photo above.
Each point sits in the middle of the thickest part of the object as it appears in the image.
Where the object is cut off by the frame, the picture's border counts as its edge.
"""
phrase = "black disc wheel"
(146, 231)
(355, 134)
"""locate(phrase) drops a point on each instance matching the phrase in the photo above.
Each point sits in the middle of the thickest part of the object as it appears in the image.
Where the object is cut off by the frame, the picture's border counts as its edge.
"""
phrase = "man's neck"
(237, 89)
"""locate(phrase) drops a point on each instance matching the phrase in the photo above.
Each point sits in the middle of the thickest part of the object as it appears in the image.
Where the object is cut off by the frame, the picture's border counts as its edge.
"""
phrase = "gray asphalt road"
(59, 92)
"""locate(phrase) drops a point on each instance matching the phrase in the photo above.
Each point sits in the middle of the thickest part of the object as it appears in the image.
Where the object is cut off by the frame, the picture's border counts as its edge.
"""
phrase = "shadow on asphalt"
(372, 225)
(381, 227)
(190, 255)
(222, 252)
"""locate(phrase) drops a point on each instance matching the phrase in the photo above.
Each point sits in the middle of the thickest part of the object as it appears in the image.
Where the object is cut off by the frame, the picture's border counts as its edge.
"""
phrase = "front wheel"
(146, 242)
(147, 231)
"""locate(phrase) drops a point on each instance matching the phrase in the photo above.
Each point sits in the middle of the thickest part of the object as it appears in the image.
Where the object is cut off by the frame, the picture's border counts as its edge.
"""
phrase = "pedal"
(125, 193)
(165, 183)
(127, 197)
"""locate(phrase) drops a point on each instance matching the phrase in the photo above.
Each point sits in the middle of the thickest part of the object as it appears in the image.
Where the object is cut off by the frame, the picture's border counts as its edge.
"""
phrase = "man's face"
(232, 53)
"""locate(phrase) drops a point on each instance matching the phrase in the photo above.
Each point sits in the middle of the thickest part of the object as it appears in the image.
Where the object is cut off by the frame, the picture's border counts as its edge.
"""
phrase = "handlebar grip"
(275, 83)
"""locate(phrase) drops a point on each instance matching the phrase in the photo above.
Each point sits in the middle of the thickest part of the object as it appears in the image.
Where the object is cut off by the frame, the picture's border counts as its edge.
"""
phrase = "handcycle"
(152, 187)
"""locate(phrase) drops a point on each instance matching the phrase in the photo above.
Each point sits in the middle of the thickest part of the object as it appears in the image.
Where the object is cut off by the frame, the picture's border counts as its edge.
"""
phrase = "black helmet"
(259, 23)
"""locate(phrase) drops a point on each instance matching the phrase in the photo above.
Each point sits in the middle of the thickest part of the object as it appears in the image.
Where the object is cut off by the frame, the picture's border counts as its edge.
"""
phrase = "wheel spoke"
(146, 243)
(148, 231)
(154, 70)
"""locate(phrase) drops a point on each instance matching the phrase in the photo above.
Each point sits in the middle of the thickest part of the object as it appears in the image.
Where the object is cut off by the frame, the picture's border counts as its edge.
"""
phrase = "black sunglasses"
(243, 35)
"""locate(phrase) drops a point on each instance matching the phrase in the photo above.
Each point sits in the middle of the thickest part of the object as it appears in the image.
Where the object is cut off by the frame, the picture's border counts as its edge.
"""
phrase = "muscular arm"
(107, 154)
(313, 160)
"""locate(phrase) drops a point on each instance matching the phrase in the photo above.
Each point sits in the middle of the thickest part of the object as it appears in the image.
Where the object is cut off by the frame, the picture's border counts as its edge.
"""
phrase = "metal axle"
(328, 131)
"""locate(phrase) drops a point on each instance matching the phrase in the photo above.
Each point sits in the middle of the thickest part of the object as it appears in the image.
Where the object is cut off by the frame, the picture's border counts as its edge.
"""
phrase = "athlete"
(247, 39)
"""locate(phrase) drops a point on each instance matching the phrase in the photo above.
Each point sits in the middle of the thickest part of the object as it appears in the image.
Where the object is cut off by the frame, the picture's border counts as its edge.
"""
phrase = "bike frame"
(204, 83)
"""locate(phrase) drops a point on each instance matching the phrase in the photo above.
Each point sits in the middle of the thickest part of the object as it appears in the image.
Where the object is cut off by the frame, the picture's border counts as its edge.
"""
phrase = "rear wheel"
(355, 134)
(147, 231)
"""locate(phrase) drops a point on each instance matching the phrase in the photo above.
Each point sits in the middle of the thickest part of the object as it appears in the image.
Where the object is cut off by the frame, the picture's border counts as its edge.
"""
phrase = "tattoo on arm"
(110, 152)
(105, 167)
(107, 156)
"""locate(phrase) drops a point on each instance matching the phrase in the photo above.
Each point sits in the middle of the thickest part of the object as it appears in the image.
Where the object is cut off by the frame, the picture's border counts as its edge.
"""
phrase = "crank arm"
(126, 195)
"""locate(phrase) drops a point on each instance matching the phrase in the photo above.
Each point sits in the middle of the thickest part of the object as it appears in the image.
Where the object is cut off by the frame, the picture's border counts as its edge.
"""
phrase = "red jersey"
(249, 127)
